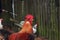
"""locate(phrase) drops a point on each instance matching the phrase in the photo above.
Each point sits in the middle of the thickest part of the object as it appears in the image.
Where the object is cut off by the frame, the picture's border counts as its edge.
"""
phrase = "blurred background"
(46, 13)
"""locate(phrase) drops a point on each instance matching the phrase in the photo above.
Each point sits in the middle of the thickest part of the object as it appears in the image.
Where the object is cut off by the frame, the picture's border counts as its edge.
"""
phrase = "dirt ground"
(40, 38)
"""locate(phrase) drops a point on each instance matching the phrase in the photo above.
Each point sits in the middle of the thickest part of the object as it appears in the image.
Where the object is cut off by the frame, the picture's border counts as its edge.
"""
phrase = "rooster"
(26, 32)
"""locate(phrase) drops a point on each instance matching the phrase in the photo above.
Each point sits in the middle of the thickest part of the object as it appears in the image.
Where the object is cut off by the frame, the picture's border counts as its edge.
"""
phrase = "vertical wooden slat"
(0, 8)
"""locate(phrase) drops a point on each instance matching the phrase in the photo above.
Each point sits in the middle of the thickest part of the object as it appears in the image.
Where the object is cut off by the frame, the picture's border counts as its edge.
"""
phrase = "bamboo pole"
(13, 10)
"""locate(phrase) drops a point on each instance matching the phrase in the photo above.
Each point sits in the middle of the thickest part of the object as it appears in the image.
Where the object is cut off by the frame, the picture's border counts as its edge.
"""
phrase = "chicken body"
(24, 33)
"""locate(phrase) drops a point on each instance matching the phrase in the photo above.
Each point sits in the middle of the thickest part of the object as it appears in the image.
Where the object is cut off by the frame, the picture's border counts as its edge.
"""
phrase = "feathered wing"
(22, 36)
(13, 36)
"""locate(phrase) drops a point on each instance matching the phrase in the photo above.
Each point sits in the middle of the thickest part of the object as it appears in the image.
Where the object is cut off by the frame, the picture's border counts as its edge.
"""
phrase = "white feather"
(1, 26)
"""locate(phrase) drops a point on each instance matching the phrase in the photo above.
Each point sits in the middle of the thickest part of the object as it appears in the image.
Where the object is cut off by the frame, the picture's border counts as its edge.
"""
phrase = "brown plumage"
(25, 32)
